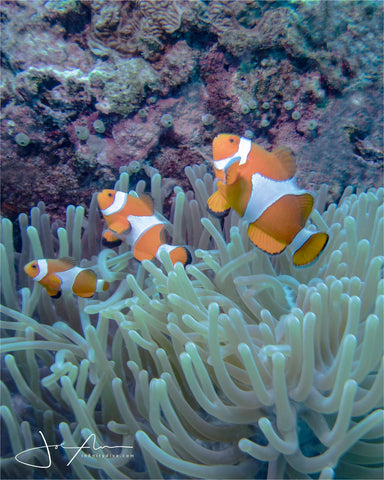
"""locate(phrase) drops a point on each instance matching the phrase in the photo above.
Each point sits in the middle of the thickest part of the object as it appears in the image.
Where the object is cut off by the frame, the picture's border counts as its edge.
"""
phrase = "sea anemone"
(238, 366)
(244, 108)
(166, 120)
(82, 132)
(296, 115)
(312, 125)
(266, 106)
(265, 123)
(22, 139)
(99, 126)
(208, 119)
(289, 105)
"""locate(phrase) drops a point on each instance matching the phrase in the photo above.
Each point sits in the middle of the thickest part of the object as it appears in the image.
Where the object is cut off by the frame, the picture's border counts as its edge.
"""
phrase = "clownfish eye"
(109, 194)
(34, 265)
(231, 140)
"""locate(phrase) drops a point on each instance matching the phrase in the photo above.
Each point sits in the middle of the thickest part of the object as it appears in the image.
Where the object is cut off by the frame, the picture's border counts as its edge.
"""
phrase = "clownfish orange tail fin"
(217, 205)
(311, 249)
(264, 241)
(180, 254)
(285, 159)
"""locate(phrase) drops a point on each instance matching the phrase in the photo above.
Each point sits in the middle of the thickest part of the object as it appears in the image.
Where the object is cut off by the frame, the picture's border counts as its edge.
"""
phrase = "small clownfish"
(260, 187)
(63, 275)
(133, 219)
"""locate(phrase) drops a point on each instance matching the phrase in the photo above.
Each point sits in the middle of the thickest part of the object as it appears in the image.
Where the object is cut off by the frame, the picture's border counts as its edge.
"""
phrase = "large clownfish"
(260, 187)
(58, 275)
(133, 220)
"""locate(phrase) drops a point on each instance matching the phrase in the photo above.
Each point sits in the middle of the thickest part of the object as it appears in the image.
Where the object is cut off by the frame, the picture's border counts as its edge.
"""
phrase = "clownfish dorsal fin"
(68, 261)
(286, 161)
(306, 204)
(232, 173)
(148, 201)
(264, 241)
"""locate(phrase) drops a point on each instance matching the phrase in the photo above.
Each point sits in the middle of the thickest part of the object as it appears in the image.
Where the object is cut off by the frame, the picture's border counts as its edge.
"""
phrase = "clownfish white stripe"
(226, 163)
(245, 146)
(272, 190)
(117, 204)
(68, 277)
(141, 224)
(43, 270)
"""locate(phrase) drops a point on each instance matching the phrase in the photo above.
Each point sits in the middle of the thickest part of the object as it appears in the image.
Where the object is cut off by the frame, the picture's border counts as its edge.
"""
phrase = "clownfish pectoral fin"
(311, 249)
(264, 241)
(109, 240)
(52, 282)
(232, 174)
(286, 161)
(180, 254)
(119, 226)
(217, 205)
(53, 293)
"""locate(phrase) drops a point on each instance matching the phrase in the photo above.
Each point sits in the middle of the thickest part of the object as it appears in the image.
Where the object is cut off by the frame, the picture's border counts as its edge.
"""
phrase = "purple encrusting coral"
(303, 74)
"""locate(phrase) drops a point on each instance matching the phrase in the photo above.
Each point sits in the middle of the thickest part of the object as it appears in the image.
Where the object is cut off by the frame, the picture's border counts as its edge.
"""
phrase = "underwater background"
(239, 365)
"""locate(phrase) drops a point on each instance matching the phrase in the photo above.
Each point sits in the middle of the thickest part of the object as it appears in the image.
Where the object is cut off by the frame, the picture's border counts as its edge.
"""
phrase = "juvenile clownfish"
(62, 275)
(133, 219)
(260, 187)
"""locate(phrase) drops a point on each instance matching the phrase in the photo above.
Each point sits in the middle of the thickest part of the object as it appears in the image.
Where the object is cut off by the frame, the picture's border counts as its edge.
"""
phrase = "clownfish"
(61, 275)
(133, 220)
(260, 187)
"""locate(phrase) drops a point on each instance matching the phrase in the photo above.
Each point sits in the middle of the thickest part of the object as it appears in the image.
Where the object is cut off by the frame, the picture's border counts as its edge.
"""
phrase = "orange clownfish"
(260, 187)
(133, 219)
(62, 274)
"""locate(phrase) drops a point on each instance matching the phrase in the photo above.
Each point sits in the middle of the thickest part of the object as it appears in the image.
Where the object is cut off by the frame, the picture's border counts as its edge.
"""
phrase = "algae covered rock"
(121, 86)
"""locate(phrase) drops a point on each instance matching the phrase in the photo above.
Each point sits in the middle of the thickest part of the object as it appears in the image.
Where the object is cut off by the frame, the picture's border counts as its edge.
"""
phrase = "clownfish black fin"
(284, 156)
(217, 205)
(111, 243)
(264, 241)
(54, 293)
(109, 239)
